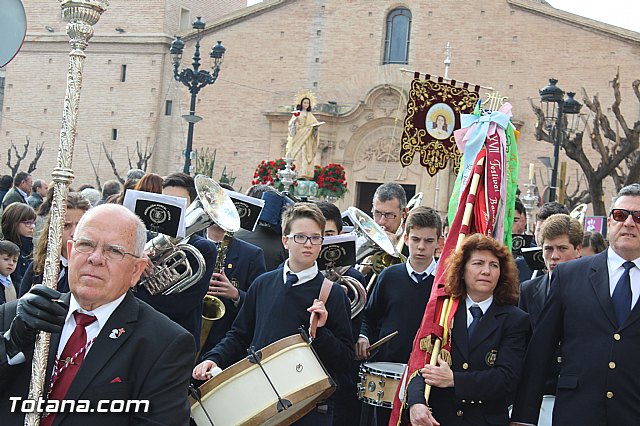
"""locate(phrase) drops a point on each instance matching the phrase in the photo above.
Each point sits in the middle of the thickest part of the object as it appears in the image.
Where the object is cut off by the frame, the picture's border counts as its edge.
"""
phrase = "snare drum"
(379, 382)
(242, 394)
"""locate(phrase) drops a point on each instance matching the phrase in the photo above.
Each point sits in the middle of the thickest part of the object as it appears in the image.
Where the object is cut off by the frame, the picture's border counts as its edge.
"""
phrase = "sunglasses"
(621, 215)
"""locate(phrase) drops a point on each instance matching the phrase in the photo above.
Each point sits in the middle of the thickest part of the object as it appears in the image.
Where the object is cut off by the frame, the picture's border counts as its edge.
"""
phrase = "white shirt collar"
(431, 269)
(21, 192)
(303, 276)
(64, 261)
(102, 313)
(6, 281)
(614, 261)
(484, 305)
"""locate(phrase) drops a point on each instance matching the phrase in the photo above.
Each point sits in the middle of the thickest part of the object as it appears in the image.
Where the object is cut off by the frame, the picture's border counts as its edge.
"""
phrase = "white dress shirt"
(431, 269)
(484, 305)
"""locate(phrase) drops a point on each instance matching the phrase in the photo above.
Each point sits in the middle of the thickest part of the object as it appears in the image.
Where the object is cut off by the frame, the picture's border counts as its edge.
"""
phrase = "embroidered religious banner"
(433, 113)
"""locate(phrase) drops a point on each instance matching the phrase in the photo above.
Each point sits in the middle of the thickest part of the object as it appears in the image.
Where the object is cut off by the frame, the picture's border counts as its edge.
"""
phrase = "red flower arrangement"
(331, 181)
(266, 173)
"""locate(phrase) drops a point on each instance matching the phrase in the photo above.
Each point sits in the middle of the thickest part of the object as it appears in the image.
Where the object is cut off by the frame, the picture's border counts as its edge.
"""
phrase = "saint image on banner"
(440, 121)
(433, 113)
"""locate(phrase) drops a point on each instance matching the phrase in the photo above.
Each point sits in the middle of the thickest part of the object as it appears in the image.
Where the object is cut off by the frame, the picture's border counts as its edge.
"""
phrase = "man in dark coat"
(593, 311)
(132, 352)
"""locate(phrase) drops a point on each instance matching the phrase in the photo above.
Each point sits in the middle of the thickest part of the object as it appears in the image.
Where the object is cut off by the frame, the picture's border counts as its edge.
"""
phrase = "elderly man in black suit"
(131, 352)
(593, 311)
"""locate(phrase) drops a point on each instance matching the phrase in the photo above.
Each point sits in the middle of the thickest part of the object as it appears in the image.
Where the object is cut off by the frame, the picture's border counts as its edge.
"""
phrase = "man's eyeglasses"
(316, 240)
(109, 251)
(29, 223)
(378, 215)
(621, 215)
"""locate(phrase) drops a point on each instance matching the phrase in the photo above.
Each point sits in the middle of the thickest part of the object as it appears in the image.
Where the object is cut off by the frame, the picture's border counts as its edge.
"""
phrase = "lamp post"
(556, 109)
(195, 79)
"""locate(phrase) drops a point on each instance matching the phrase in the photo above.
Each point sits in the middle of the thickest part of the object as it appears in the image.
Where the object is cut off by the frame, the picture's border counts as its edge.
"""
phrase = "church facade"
(352, 54)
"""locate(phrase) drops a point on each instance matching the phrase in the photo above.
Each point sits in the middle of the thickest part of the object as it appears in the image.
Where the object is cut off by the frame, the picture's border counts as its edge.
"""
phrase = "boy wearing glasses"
(279, 302)
(592, 311)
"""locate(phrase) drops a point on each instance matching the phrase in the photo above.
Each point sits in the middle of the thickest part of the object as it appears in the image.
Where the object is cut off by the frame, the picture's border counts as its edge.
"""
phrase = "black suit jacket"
(486, 369)
(151, 360)
(533, 295)
(598, 383)
(243, 264)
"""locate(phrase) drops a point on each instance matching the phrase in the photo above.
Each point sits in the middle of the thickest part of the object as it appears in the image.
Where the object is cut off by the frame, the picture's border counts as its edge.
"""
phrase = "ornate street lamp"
(556, 110)
(195, 79)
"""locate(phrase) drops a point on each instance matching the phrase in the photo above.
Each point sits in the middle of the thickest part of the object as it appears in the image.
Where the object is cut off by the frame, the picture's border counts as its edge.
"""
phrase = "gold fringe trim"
(404, 403)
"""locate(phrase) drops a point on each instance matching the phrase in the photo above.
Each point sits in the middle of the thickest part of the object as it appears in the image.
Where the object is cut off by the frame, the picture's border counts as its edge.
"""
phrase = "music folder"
(163, 214)
(533, 257)
(347, 223)
(338, 250)
(249, 209)
(519, 242)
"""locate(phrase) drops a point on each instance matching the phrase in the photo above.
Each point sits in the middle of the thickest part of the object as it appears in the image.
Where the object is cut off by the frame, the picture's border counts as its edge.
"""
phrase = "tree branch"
(93, 166)
(113, 164)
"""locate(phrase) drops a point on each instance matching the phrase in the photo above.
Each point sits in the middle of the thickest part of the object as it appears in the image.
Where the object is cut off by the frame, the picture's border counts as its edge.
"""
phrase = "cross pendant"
(67, 361)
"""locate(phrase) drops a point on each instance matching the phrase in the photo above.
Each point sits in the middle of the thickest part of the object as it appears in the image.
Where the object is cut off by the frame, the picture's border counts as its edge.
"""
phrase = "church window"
(397, 38)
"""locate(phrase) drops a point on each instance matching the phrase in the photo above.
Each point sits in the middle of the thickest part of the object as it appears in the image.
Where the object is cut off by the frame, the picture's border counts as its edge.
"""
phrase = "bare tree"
(613, 147)
(143, 157)
(93, 166)
(15, 168)
(113, 163)
(141, 163)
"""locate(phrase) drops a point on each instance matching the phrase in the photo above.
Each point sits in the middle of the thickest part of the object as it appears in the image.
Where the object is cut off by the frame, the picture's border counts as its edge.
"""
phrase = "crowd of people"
(527, 346)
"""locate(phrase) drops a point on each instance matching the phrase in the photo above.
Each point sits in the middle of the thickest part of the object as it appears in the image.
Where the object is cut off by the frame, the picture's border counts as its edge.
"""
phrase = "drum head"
(386, 369)
(13, 28)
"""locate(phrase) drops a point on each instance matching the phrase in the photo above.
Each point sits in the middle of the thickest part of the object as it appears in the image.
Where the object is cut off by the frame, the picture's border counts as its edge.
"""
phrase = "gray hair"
(391, 191)
(632, 190)
(140, 232)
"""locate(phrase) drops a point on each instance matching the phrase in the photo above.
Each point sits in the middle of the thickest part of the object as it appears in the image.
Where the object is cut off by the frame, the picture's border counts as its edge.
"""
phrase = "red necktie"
(69, 362)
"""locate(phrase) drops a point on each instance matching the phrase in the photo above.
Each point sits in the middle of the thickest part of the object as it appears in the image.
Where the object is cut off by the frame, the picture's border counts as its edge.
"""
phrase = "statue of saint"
(303, 138)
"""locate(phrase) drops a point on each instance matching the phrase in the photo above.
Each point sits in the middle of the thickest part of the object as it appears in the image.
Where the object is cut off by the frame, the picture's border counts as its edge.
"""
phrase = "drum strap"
(324, 295)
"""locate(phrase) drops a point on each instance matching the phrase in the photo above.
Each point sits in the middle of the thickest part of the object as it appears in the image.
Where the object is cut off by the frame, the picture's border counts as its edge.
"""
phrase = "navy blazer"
(150, 360)
(243, 263)
(533, 295)
(598, 383)
(486, 369)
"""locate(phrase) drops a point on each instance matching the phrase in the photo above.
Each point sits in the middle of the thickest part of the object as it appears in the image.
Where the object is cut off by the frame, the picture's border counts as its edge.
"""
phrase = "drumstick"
(384, 340)
(214, 372)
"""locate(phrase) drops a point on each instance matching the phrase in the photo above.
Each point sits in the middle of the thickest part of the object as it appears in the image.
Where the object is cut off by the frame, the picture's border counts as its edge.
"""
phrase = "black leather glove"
(36, 311)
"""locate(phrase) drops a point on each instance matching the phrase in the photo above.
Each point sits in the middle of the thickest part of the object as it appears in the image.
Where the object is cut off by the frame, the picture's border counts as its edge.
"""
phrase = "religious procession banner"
(433, 113)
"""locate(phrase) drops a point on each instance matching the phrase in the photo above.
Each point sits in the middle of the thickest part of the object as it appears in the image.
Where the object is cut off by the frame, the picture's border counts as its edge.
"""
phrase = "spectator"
(5, 185)
(92, 195)
(22, 183)
(150, 182)
(593, 243)
(38, 192)
(18, 222)
(110, 187)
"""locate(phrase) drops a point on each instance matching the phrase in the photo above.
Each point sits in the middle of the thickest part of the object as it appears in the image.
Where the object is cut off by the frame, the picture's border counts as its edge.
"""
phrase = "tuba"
(172, 272)
(356, 293)
(374, 243)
